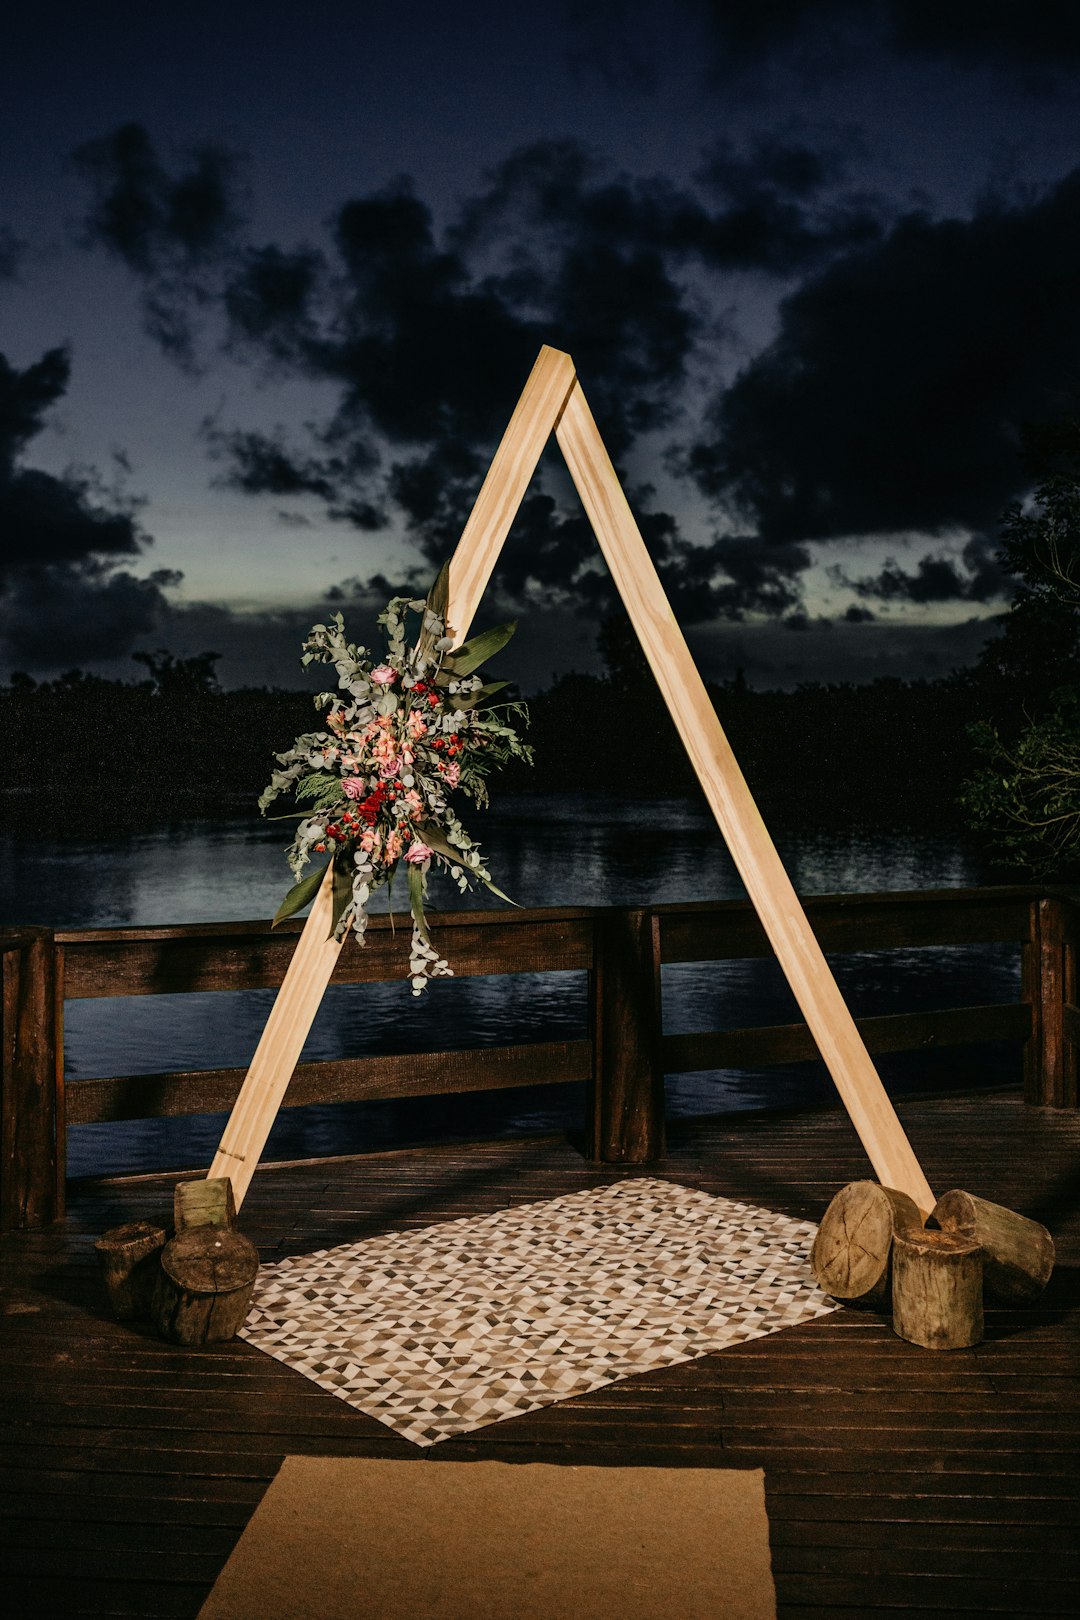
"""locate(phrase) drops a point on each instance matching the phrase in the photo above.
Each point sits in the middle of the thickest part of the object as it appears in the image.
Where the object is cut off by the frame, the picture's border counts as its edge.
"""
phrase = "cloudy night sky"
(272, 277)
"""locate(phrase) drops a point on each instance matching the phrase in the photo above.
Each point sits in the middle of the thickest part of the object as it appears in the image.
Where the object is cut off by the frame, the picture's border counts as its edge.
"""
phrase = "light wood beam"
(313, 960)
(729, 797)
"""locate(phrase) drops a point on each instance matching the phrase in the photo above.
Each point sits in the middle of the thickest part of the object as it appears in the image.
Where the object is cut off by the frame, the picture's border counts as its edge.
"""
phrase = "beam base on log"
(206, 1202)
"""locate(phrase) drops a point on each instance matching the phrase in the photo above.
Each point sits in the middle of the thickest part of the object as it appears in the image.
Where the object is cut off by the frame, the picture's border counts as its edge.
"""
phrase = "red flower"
(369, 809)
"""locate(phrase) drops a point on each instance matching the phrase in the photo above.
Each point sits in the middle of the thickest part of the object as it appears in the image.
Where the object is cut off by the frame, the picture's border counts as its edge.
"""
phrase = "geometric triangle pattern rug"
(444, 1330)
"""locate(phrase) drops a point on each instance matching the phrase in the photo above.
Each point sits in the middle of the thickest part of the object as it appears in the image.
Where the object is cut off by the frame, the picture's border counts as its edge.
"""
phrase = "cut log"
(1018, 1253)
(850, 1257)
(204, 1288)
(206, 1202)
(129, 1258)
(937, 1282)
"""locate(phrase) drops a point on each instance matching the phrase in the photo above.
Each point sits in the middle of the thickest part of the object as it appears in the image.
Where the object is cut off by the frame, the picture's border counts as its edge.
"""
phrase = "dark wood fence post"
(626, 1103)
(1049, 984)
(31, 1147)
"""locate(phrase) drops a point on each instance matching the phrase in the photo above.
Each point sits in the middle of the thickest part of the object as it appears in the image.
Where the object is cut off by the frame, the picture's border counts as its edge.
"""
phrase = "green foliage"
(1041, 541)
(321, 788)
(300, 895)
(1025, 801)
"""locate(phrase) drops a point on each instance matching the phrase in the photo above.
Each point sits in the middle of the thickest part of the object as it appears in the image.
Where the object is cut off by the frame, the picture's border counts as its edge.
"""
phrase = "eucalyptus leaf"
(300, 895)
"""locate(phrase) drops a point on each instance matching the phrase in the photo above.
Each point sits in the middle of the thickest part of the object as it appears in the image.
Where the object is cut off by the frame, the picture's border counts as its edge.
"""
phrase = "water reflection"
(574, 850)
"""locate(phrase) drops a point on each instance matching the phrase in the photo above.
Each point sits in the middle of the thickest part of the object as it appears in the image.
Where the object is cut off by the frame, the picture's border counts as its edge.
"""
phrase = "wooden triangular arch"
(553, 401)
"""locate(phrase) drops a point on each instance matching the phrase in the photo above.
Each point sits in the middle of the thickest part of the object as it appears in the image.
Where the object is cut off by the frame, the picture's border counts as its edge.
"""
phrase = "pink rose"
(418, 852)
(384, 675)
(355, 788)
(451, 772)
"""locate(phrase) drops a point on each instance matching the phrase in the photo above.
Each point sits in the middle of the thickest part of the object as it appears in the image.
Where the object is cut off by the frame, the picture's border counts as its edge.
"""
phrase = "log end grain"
(204, 1287)
(851, 1253)
(1018, 1253)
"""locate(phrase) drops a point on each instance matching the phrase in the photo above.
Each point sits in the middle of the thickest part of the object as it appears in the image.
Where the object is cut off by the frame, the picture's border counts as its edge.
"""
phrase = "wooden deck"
(898, 1481)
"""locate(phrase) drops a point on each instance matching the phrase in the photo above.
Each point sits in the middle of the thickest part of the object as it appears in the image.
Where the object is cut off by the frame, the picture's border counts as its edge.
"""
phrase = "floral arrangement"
(400, 737)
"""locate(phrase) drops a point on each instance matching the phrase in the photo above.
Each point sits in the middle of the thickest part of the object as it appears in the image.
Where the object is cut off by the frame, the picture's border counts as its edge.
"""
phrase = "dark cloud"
(977, 576)
(148, 217)
(968, 33)
(65, 596)
(892, 396)
(67, 614)
(167, 227)
(45, 519)
(426, 335)
(780, 207)
(732, 578)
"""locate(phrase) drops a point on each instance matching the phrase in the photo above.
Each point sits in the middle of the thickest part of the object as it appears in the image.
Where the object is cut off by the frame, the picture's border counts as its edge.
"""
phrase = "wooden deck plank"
(898, 1482)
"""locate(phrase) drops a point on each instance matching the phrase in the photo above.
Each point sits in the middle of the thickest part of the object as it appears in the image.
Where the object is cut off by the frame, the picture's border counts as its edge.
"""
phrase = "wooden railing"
(623, 1058)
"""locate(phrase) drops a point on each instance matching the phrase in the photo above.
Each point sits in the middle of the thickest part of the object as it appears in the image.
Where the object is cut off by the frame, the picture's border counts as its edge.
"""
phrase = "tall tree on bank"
(1026, 799)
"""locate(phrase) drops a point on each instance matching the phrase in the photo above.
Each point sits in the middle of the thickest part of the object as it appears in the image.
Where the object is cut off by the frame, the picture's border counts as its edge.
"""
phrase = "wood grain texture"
(731, 802)
(336, 1080)
(203, 1288)
(853, 1248)
(851, 922)
(937, 1289)
(129, 1259)
(248, 956)
(889, 1032)
(29, 1148)
(1050, 984)
(626, 1110)
(279, 1048)
(1018, 1253)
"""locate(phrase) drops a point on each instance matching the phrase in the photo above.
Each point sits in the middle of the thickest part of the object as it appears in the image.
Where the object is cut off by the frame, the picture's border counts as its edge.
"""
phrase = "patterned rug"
(444, 1330)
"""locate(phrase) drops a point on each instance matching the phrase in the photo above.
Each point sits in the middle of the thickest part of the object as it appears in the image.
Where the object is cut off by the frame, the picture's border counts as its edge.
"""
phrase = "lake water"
(575, 850)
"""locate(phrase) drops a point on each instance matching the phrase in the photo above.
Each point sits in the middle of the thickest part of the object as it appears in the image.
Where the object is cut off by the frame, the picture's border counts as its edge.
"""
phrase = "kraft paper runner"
(353, 1539)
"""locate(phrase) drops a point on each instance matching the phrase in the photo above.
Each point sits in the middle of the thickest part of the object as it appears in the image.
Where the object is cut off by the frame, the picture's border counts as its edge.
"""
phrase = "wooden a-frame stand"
(553, 400)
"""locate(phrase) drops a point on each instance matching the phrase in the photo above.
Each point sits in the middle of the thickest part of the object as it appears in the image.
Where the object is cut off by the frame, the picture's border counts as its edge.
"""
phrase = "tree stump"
(850, 1257)
(937, 1282)
(205, 1284)
(1018, 1254)
(206, 1202)
(129, 1261)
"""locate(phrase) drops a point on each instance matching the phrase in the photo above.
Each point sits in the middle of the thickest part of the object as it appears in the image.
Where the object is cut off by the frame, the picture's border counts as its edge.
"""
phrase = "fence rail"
(623, 1059)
